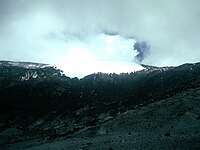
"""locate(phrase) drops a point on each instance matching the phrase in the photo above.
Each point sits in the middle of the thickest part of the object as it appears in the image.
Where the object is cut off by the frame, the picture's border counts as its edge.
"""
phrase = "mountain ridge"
(52, 106)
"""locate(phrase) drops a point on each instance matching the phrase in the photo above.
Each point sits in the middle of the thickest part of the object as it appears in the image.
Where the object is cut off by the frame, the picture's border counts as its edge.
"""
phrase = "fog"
(76, 35)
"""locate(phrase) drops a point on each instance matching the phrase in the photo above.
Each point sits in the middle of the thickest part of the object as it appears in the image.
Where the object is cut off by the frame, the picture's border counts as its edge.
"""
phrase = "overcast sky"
(86, 36)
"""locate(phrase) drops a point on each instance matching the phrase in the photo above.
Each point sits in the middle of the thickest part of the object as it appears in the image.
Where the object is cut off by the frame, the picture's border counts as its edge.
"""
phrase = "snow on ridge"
(27, 65)
(29, 75)
(149, 69)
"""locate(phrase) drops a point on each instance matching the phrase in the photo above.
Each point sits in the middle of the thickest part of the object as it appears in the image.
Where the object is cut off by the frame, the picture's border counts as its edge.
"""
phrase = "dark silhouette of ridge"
(33, 91)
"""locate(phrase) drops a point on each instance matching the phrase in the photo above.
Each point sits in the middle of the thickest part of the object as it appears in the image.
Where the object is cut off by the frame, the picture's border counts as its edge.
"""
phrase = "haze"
(83, 37)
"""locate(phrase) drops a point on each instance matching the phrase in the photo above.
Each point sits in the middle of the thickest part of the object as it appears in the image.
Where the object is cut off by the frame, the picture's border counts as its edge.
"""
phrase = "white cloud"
(98, 53)
(45, 31)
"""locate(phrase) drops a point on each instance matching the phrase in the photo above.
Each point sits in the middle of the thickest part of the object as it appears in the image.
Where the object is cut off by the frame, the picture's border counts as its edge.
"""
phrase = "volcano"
(155, 108)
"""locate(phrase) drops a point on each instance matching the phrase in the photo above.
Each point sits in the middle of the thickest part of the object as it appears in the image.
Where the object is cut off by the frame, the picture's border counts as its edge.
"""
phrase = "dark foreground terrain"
(156, 108)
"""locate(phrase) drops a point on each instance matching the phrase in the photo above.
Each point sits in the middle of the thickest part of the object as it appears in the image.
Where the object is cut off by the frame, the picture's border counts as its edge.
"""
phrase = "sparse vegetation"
(42, 103)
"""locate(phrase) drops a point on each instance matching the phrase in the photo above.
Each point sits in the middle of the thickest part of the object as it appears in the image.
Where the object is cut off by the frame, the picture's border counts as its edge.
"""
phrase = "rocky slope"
(154, 108)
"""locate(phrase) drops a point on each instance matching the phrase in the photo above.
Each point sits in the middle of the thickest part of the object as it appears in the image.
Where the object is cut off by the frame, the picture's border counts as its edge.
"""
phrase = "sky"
(86, 36)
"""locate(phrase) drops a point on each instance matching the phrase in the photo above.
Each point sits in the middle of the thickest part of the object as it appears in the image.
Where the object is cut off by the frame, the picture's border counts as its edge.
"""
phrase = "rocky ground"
(172, 123)
(155, 108)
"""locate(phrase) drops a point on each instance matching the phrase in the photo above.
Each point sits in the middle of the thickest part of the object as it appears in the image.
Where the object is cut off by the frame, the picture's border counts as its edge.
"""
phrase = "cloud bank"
(44, 30)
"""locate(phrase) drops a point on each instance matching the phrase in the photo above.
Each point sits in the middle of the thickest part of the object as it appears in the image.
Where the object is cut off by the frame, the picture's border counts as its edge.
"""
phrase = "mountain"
(156, 108)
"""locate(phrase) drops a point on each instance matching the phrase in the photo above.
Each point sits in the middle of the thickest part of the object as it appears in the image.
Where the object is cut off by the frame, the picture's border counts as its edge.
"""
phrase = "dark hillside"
(38, 98)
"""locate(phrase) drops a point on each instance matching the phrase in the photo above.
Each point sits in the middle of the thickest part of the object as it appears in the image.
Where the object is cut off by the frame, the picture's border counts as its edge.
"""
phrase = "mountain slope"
(171, 123)
(38, 102)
